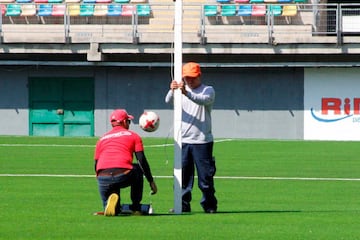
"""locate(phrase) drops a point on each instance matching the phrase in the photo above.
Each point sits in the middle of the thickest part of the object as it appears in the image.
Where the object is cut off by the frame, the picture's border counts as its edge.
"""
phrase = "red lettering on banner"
(336, 104)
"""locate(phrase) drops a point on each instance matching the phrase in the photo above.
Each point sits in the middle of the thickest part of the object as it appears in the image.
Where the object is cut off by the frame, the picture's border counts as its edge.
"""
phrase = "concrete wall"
(250, 103)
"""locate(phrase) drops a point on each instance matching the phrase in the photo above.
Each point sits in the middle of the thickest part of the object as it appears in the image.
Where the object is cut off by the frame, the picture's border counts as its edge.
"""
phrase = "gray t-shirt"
(196, 114)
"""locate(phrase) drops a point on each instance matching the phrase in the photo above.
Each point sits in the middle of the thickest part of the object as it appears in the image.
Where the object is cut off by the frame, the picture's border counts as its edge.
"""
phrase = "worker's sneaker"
(110, 209)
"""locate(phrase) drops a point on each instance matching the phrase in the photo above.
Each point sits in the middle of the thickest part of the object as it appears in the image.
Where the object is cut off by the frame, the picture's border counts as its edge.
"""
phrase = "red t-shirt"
(116, 148)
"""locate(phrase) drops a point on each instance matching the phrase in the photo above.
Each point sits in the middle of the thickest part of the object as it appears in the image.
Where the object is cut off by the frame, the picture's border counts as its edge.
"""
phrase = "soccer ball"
(149, 121)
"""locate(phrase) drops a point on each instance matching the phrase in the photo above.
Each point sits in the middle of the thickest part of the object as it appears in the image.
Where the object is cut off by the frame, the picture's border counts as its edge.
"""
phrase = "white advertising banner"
(332, 104)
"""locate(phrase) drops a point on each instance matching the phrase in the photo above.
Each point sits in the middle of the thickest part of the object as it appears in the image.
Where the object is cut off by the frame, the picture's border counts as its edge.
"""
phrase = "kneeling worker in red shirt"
(115, 168)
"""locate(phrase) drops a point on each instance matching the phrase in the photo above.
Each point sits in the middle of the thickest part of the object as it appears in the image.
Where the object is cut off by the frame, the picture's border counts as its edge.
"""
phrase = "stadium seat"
(138, 1)
(58, 10)
(100, 10)
(285, 1)
(244, 10)
(258, 10)
(223, 1)
(121, 1)
(23, 1)
(55, 1)
(270, 1)
(44, 10)
(3, 9)
(72, 1)
(40, 1)
(28, 10)
(7, 1)
(103, 1)
(300, 1)
(210, 10)
(73, 10)
(289, 10)
(13, 10)
(143, 10)
(256, 1)
(275, 10)
(127, 10)
(88, 1)
(228, 10)
(241, 1)
(86, 10)
(114, 10)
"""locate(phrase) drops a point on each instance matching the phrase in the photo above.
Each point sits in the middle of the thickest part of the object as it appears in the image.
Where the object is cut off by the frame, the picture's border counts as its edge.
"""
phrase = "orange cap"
(191, 69)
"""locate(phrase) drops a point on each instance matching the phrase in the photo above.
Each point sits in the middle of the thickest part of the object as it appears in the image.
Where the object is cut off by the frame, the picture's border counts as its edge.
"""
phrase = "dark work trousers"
(199, 156)
(112, 184)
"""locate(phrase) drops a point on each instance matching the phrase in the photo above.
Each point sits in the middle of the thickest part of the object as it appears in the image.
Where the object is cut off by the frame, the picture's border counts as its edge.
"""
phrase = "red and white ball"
(149, 121)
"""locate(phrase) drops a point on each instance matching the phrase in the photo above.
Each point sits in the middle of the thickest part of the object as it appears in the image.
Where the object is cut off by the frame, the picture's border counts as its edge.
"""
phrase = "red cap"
(191, 69)
(120, 115)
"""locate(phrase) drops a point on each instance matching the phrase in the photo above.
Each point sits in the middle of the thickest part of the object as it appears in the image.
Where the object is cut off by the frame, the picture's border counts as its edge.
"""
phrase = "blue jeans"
(199, 156)
(112, 184)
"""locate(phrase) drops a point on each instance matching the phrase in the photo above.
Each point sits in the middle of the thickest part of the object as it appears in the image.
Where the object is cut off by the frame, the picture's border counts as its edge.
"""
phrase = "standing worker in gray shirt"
(197, 138)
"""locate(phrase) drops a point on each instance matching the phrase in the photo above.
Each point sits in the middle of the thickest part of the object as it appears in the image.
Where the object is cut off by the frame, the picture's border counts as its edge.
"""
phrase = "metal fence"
(306, 23)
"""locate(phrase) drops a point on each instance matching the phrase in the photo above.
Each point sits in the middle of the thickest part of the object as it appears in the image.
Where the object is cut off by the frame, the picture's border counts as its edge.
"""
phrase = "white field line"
(91, 146)
(169, 177)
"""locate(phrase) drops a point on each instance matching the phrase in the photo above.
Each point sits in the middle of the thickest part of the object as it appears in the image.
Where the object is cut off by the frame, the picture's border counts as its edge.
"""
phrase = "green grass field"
(266, 190)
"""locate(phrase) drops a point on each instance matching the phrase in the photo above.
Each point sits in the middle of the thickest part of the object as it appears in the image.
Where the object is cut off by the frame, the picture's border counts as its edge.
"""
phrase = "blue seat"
(13, 10)
(89, 1)
(114, 10)
(244, 10)
(210, 10)
(275, 10)
(143, 10)
(228, 10)
(86, 10)
(23, 1)
(285, 1)
(45, 10)
(223, 1)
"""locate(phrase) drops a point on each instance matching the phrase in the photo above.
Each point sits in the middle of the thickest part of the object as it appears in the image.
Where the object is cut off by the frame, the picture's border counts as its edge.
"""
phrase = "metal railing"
(312, 23)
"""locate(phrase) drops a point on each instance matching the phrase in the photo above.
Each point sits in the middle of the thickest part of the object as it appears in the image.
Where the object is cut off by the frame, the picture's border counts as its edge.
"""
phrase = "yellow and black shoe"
(110, 209)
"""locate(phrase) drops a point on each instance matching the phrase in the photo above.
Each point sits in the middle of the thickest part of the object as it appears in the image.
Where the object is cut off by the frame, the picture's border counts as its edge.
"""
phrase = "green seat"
(121, 1)
(13, 10)
(55, 1)
(256, 1)
(275, 10)
(210, 10)
(228, 10)
(143, 10)
(86, 10)
(300, 1)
